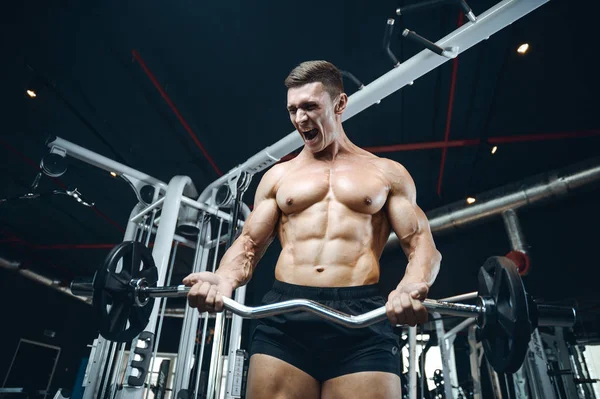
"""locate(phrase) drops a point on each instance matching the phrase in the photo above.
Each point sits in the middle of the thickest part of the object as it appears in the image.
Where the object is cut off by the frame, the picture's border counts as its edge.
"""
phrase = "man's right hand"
(207, 291)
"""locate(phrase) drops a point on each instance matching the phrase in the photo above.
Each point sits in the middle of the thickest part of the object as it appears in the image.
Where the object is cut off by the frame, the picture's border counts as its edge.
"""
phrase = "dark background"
(222, 65)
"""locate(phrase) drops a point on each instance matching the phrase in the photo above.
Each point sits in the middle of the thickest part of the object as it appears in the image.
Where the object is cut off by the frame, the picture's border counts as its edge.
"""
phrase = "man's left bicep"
(409, 223)
(403, 217)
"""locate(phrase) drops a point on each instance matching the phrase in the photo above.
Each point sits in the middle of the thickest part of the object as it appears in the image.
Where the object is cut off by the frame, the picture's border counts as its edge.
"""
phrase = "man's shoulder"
(274, 174)
(391, 167)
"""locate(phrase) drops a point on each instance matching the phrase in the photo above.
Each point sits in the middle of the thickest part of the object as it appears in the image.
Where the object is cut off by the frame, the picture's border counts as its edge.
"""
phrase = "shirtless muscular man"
(332, 208)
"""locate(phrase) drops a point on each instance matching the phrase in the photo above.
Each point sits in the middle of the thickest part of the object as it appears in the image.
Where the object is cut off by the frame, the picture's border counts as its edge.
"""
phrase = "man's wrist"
(235, 283)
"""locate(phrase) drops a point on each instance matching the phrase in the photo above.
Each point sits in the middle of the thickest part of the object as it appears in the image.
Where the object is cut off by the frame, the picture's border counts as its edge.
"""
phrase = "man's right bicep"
(260, 225)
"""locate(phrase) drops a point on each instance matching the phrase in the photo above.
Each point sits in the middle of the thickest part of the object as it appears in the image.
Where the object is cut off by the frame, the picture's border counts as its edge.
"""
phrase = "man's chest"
(359, 187)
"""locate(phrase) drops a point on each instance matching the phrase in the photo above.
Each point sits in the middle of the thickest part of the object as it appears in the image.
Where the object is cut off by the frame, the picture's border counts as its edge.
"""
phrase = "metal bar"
(412, 362)
(475, 362)
(163, 305)
(102, 162)
(444, 353)
(147, 209)
(544, 187)
(538, 367)
(513, 229)
(203, 236)
(213, 210)
(215, 358)
(366, 319)
(459, 327)
(461, 297)
(190, 321)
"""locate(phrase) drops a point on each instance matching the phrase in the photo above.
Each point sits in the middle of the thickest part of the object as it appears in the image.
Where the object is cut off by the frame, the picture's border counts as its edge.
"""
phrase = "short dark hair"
(317, 71)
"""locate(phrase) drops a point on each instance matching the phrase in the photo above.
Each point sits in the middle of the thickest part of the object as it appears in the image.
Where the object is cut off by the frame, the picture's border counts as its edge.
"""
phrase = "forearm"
(238, 263)
(423, 264)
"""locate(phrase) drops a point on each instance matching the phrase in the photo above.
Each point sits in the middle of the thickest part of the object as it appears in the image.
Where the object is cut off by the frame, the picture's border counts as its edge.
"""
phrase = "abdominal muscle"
(329, 245)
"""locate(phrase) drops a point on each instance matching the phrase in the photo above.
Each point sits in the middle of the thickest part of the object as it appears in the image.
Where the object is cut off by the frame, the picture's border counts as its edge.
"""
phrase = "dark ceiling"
(222, 66)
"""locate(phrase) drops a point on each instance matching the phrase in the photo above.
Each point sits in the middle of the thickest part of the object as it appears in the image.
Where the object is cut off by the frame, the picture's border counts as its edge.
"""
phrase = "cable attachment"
(426, 5)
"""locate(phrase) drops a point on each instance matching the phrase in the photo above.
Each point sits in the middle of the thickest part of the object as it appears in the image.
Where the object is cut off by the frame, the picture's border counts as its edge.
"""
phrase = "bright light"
(494, 149)
(113, 174)
(523, 48)
(470, 200)
(31, 93)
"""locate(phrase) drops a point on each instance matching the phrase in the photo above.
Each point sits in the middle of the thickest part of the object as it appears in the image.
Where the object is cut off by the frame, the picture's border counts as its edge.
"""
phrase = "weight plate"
(507, 330)
(121, 320)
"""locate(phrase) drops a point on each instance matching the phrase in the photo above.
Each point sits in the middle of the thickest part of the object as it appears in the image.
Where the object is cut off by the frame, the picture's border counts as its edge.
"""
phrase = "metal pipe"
(412, 362)
(389, 28)
(461, 297)
(546, 186)
(30, 274)
(459, 327)
(475, 361)
(513, 229)
(102, 162)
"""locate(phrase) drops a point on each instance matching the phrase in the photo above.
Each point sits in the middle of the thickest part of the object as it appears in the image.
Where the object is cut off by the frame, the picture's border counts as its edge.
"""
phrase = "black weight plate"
(121, 320)
(507, 330)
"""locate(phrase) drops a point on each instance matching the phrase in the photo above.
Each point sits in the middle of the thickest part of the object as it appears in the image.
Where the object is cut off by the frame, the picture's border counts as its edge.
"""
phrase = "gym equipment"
(505, 314)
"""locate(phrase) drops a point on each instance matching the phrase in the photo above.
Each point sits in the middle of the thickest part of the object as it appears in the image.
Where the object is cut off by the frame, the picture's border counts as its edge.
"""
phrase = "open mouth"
(310, 134)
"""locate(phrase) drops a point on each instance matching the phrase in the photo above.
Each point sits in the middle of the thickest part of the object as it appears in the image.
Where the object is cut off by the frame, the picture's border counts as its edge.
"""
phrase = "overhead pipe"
(532, 191)
(16, 266)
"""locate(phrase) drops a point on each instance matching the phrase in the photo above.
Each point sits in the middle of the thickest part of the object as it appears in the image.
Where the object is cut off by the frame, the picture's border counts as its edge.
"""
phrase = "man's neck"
(341, 145)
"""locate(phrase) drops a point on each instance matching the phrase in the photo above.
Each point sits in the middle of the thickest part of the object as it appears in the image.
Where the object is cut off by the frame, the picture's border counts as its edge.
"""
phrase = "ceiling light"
(113, 174)
(494, 149)
(523, 48)
(31, 93)
(470, 200)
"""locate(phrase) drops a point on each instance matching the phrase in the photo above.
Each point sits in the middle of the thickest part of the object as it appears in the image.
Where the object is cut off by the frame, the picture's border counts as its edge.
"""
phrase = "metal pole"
(191, 317)
(163, 304)
(412, 362)
(475, 353)
(102, 162)
(445, 354)
(461, 297)
(538, 367)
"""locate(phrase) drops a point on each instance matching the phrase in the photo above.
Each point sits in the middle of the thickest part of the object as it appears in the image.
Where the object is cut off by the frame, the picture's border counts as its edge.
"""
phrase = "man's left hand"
(404, 305)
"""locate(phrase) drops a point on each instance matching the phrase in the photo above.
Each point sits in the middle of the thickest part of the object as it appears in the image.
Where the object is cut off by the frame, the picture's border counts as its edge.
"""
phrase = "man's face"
(312, 112)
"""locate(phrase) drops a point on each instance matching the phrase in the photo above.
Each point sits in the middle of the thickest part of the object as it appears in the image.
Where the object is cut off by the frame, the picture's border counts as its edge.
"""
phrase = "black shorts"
(320, 347)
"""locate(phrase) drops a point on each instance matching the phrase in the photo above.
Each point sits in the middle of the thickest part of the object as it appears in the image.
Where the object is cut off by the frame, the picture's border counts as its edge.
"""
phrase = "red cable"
(449, 113)
(164, 95)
